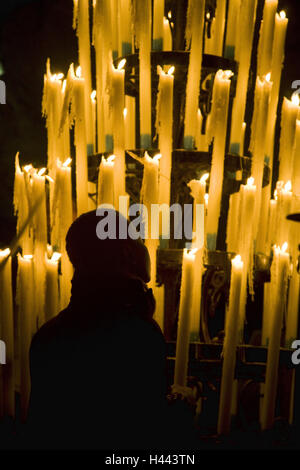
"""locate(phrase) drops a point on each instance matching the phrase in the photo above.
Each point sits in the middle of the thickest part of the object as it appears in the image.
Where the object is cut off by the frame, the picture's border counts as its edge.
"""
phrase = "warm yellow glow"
(4, 253)
(282, 14)
(268, 77)
(208, 16)
(28, 257)
(295, 99)
(169, 14)
(204, 178)
(157, 157)
(190, 254)
(93, 95)
(237, 262)
(78, 72)
(275, 194)
(67, 162)
(227, 74)
(250, 181)
(121, 64)
(284, 247)
(125, 112)
(42, 171)
(206, 196)
(171, 70)
(288, 186)
(27, 168)
(56, 257)
(63, 88)
(49, 179)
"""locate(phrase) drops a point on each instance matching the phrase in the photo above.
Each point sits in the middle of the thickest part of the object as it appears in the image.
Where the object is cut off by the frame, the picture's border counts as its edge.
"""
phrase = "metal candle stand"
(205, 363)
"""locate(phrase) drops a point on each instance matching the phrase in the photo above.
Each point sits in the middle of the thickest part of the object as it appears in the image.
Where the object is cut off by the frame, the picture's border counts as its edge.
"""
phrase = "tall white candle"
(230, 345)
(232, 28)
(196, 11)
(125, 35)
(296, 161)
(129, 122)
(106, 181)
(94, 117)
(219, 116)
(279, 273)
(52, 298)
(142, 24)
(81, 22)
(233, 222)
(243, 55)
(289, 112)
(158, 16)
(164, 128)
(276, 69)
(284, 204)
(25, 301)
(117, 104)
(266, 36)
(184, 318)
(219, 28)
(7, 333)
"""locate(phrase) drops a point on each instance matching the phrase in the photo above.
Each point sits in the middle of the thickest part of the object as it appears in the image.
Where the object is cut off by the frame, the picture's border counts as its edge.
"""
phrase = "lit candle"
(7, 333)
(81, 23)
(258, 140)
(51, 107)
(167, 35)
(78, 104)
(184, 318)
(230, 346)
(125, 37)
(289, 114)
(164, 128)
(62, 211)
(195, 38)
(279, 273)
(232, 28)
(284, 204)
(117, 104)
(40, 242)
(52, 299)
(243, 55)
(21, 208)
(264, 56)
(276, 69)
(106, 181)
(25, 301)
(219, 114)
(142, 24)
(219, 28)
(271, 231)
(158, 16)
(245, 243)
(296, 161)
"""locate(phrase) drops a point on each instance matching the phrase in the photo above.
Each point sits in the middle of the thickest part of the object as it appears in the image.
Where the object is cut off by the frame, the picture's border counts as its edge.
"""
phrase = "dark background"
(31, 31)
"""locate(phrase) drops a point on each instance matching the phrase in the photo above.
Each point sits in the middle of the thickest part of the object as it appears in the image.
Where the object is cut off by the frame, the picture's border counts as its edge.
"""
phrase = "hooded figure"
(98, 369)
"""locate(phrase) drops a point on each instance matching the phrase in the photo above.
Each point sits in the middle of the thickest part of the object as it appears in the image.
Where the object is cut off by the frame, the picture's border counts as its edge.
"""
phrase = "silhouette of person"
(98, 369)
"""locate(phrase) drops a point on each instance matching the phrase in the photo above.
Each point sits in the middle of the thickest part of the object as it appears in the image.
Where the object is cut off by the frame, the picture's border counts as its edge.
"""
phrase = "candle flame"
(67, 162)
(284, 247)
(4, 253)
(78, 72)
(288, 186)
(49, 179)
(157, 157)
(169, 14)
(64, 85)
(171, 70)
(250, 181)
(121, 64)
(27, 168)
(237, 262)
(204, 177)
(42, 171)
(208, 16)
(268, 77)
(282, 14)
(111, 158)
(125, 112)
(227, 74)
(93, 95)
(295, 99)
(28, 257)
(55, 257)
(206, 196)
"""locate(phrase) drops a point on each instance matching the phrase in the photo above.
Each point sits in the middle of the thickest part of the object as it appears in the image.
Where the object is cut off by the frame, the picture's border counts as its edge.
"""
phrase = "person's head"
(106, 257)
